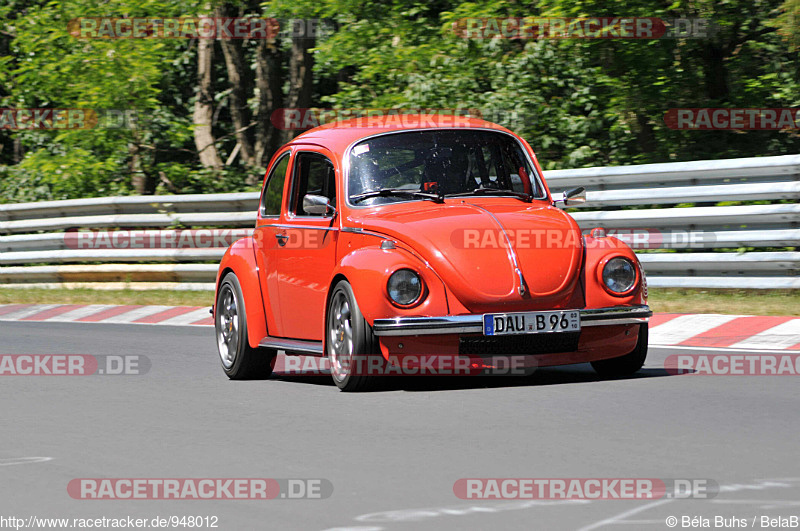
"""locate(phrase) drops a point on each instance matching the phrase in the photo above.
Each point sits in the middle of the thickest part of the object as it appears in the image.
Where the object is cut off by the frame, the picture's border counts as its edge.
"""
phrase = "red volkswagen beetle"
(384, 240)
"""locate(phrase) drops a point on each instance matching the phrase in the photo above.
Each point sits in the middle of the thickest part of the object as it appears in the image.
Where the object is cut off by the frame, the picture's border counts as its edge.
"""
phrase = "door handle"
(282, 239)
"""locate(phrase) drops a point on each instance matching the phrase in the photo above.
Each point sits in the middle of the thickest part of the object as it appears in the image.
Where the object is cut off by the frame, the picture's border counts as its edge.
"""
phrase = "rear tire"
(627, 364)
(350, 345)
(239, 360)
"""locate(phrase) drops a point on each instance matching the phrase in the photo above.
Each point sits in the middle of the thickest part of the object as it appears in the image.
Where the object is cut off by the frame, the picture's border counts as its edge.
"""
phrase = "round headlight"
(619, 275)
(404, 287)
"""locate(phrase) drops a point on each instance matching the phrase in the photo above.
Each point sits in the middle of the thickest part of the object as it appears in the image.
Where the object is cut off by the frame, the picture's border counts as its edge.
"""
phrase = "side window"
(313, 174)
(273, 191)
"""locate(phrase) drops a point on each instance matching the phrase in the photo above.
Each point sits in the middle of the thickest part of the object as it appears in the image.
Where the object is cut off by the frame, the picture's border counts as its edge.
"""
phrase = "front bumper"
(473, 324)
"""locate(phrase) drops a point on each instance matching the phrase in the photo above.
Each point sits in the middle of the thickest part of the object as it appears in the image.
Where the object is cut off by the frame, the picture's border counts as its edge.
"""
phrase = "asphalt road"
(392, 456)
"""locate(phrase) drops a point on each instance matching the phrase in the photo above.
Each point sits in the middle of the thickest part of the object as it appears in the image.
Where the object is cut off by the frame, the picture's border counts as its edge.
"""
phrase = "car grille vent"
(519, 344)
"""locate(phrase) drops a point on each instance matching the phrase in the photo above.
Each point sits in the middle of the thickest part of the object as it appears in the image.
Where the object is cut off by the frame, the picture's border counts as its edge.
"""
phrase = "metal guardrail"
(675, 252)
(113, 255)
(192, 219)
(695, 194)
(112, 273)
(754, 169)
(693, 217)
(54, 241)
(144, 204)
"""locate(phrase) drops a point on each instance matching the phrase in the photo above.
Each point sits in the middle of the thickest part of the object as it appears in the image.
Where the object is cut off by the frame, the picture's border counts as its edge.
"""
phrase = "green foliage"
(45, 175)
(578, 102)
(788, 23)
(53, 69)
(191, 179)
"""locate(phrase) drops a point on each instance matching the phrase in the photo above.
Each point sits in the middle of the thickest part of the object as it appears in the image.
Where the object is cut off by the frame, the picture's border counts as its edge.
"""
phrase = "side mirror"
(317, 204)
(574, 197)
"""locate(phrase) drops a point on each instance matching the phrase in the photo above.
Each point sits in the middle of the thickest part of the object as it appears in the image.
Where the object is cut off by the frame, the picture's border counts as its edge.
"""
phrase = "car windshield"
(416, 165)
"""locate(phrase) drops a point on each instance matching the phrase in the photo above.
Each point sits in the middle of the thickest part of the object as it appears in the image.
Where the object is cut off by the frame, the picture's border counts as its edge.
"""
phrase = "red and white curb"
(725, 331)
(666, 329)
(106, 313)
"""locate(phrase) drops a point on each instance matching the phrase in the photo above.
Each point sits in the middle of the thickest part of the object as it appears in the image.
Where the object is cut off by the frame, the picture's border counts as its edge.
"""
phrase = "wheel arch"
(240, 260)
(368, 268)
(338, 277)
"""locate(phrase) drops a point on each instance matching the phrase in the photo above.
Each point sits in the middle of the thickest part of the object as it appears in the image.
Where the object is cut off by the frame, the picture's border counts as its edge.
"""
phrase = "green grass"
(733, 301)
(744, 302)
(91, 296)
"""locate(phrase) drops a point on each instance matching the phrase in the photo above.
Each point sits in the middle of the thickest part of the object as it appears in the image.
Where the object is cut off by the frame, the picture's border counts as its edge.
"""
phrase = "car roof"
(337, 136)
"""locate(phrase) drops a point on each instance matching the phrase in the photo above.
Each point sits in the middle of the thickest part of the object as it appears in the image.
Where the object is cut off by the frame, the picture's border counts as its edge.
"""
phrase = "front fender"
(368, 268)
(241, 260)
(598, 251)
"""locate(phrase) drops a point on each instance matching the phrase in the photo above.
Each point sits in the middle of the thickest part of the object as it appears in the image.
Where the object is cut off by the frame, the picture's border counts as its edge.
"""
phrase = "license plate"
(499, 324)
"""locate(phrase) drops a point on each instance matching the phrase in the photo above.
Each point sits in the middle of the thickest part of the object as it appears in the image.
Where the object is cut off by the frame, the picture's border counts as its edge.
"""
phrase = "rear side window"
(314, 174)
(273, 191)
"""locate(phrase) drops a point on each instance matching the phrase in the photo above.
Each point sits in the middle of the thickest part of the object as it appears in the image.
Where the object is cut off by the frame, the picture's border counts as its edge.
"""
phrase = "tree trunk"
(270, 97)
(19, 150)
(142, 183)
(645, 134)
(241, 80)
(716, 73)
(301, 78)
(203, 106)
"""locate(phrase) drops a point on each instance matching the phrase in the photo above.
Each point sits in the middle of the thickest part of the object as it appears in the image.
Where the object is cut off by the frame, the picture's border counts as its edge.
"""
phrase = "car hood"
(477, 247)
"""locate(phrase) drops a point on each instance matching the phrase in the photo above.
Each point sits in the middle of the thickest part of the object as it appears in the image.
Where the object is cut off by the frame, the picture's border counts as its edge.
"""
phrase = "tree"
(204, 106)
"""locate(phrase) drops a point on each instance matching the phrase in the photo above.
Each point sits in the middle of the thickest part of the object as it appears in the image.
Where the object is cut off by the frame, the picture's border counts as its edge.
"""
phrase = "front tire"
(627, 364)
(239, 360)
(351, 346)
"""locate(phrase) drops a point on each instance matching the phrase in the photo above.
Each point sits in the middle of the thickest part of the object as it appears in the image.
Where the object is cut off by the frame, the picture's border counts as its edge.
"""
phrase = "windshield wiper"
(386, 192)
(495, 191)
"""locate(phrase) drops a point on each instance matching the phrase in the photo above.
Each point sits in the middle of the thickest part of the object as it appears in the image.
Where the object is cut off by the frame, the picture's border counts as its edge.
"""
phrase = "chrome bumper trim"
(473, 324)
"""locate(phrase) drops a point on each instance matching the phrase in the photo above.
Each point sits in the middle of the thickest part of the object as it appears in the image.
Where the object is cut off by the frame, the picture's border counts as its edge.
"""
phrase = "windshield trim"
(347, 152)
